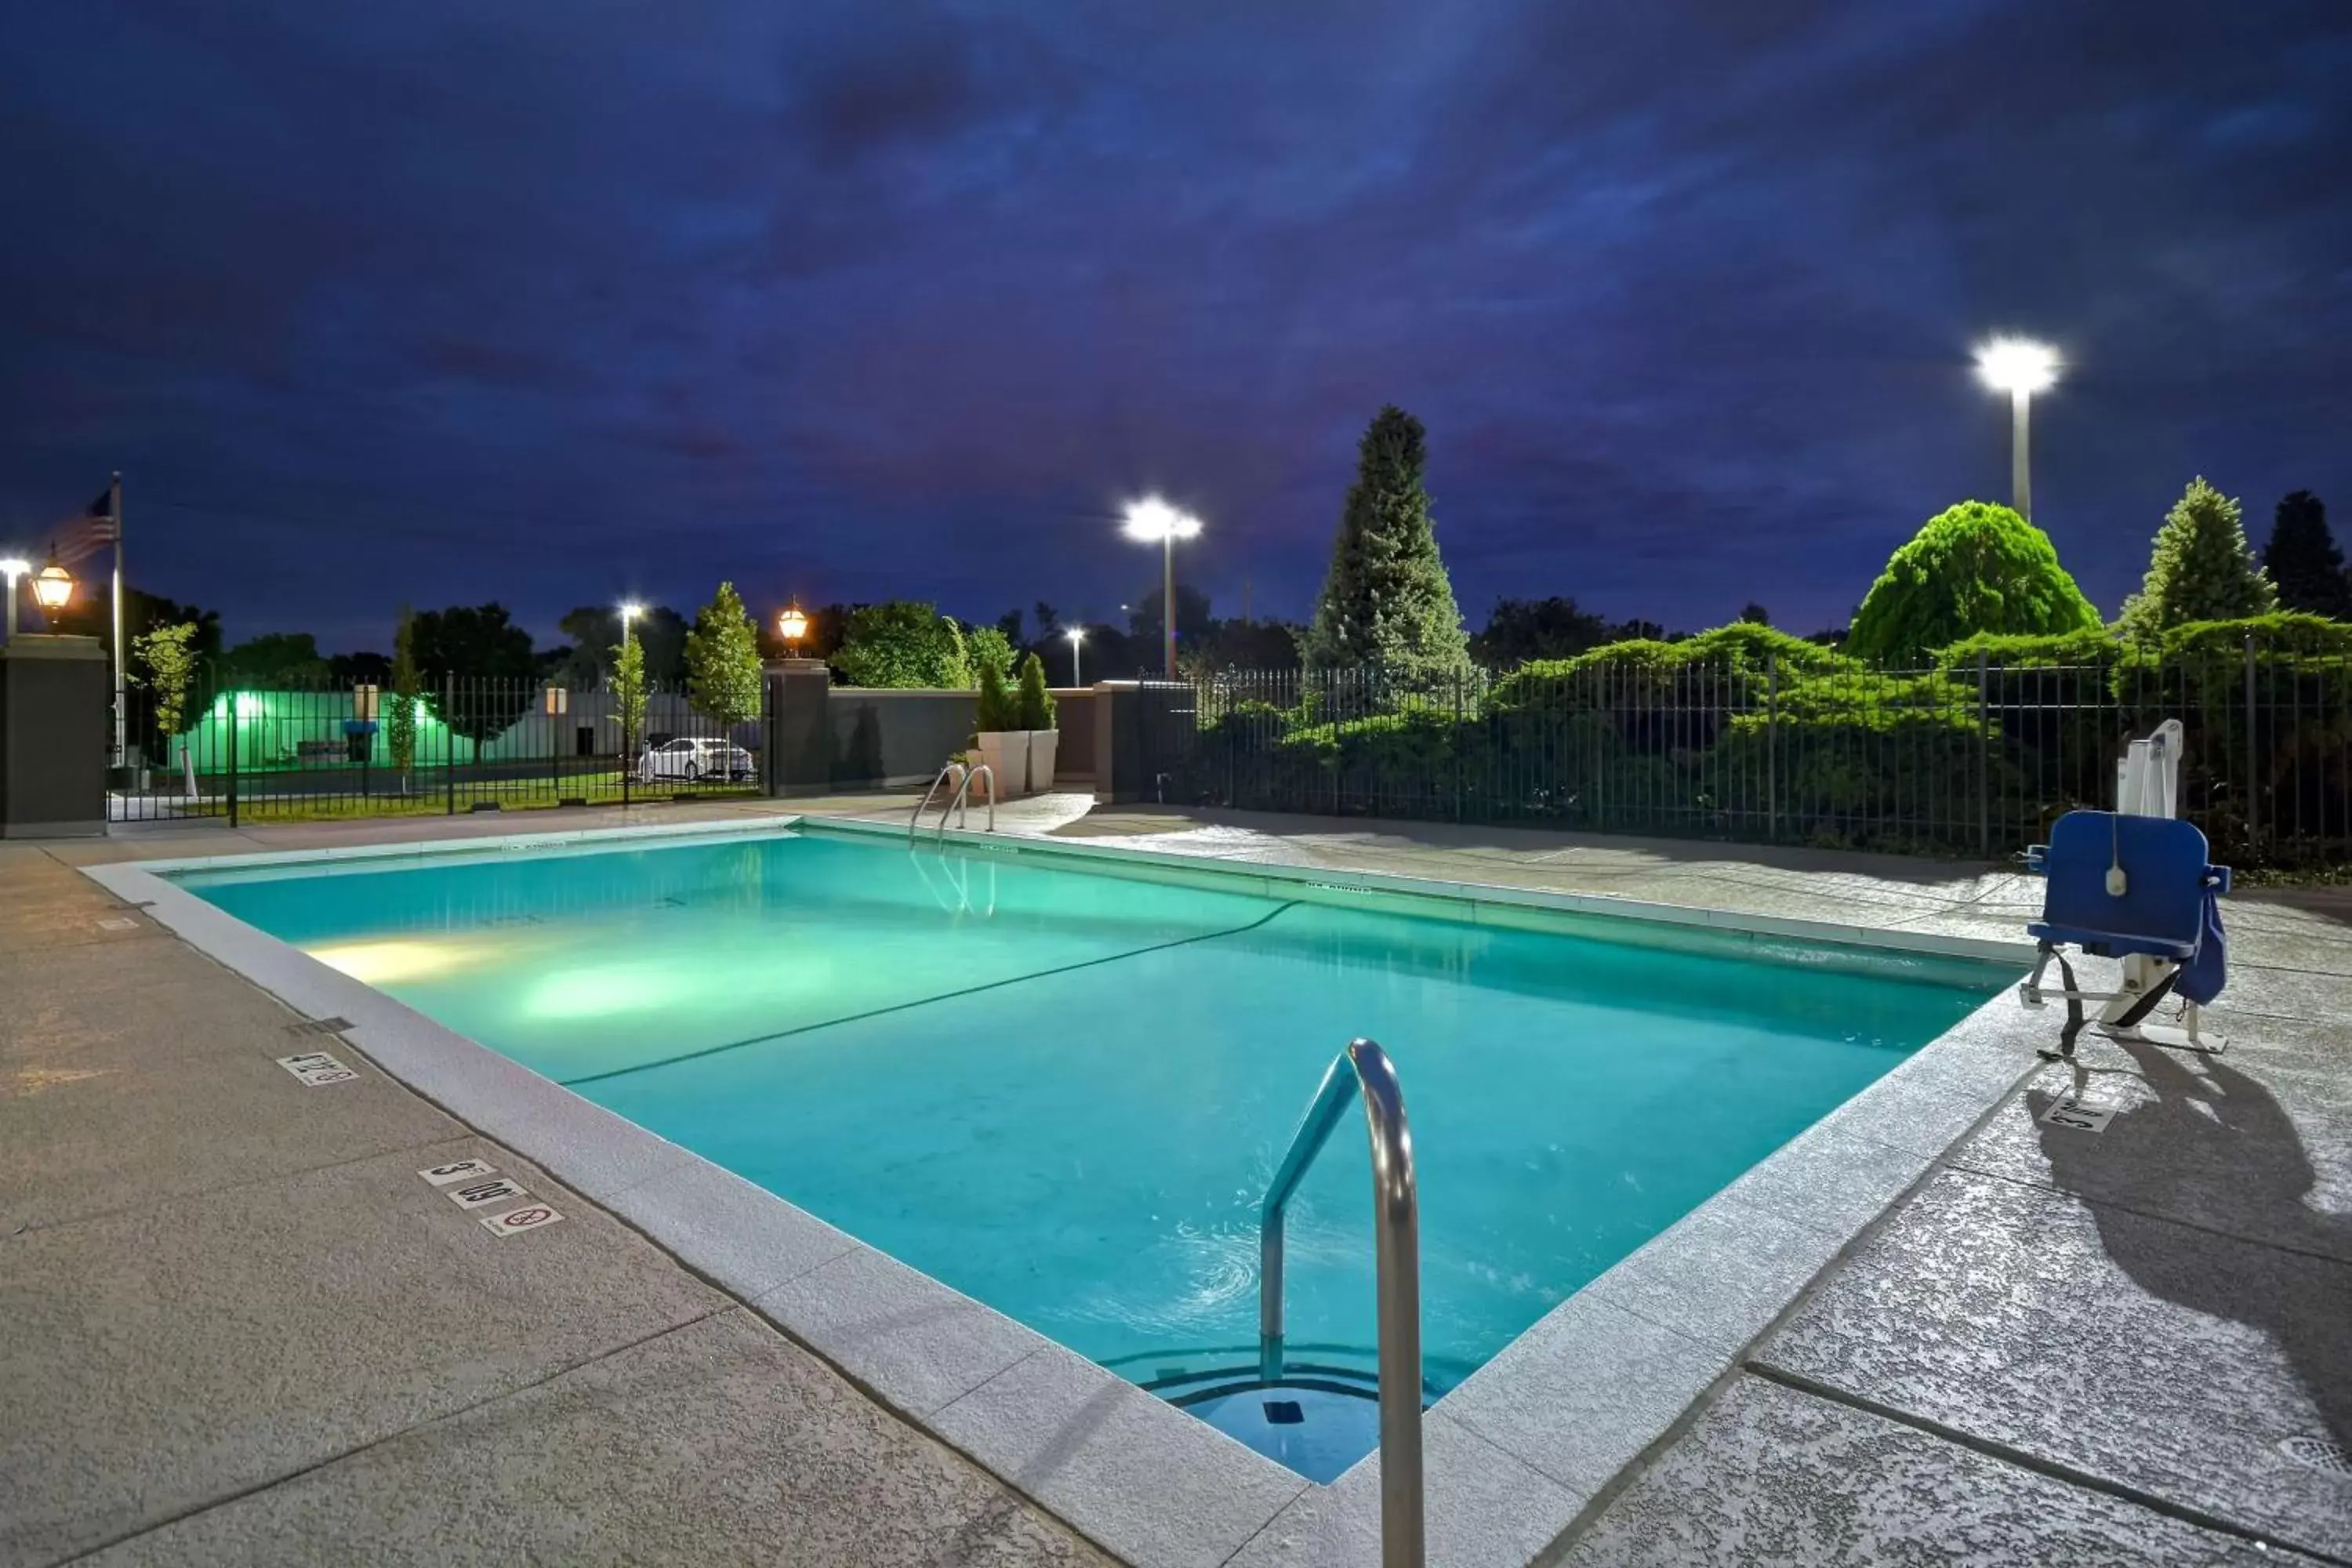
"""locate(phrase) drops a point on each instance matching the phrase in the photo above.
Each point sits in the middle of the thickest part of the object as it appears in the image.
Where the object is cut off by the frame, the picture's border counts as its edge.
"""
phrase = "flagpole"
(114, 512)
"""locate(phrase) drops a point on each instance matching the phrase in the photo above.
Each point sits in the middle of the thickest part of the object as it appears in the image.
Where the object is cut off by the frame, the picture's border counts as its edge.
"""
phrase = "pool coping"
(1515, 1453)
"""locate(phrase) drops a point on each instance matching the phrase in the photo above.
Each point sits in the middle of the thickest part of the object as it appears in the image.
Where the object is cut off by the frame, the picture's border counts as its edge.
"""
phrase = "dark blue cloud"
(551, 302)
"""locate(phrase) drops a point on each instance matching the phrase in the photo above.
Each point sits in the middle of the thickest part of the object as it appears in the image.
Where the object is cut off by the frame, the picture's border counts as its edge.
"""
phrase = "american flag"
(89, 532)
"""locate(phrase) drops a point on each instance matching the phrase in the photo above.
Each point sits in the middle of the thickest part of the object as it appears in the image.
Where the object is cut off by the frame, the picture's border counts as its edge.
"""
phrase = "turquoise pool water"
(1063, 1092)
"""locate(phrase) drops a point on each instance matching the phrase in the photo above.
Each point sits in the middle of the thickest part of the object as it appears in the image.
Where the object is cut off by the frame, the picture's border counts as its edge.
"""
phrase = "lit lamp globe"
(791, 625)
(2019, 367)
(53, 587)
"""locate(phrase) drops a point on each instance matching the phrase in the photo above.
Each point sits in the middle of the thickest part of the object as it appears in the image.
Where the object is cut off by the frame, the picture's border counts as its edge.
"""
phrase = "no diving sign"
(316, 1067)
(514, 1222)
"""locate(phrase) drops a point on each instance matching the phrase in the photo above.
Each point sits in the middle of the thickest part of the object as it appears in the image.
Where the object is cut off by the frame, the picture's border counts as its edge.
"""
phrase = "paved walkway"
(2127, 1346)
(237, 1327)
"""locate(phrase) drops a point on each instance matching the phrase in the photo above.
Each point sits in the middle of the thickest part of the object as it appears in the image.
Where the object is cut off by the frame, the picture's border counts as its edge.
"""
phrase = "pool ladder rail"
(1364, 1068)
(962, 777)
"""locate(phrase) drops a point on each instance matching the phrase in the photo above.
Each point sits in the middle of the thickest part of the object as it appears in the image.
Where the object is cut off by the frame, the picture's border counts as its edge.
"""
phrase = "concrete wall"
(897, 738)
(890, 737)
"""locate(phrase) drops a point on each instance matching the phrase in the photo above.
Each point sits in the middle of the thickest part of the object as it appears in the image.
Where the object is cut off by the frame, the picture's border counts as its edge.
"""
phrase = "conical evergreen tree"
(1387, 603)
(2303, 560)
(2203, 569)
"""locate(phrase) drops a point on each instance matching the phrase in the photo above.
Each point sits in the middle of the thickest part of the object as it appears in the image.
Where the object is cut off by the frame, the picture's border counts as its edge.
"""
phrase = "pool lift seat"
(2134, 884)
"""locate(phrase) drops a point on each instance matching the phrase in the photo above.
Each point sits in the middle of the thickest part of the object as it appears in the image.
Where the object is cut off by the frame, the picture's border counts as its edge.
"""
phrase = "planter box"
(1005, 754)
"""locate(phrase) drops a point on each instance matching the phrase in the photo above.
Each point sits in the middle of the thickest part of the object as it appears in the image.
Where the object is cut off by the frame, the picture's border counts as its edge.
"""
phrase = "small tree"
(169, 655)
(400, 722)
(997, 709)
(903, 643)
(629, 695)
(2303, 560)
(1974, 568)
(2202, 569)
(477, 664)
(1036, 703)
(1386, 601)
(723, 661)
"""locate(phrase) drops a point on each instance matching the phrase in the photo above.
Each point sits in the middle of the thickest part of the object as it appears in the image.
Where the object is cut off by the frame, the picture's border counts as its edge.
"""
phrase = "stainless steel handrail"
(956, 805)
(1396, 1221)
(915, 820)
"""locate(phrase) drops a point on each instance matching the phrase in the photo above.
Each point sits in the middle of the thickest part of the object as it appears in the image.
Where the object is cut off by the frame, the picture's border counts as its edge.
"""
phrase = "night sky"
(559, 300)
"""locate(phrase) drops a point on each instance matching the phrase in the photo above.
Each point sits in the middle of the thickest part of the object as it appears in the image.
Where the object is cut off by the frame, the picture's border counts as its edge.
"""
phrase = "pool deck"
(242, 1328)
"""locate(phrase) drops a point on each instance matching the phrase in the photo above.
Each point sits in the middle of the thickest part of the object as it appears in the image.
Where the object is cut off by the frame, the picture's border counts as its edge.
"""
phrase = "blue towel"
(2201, 978)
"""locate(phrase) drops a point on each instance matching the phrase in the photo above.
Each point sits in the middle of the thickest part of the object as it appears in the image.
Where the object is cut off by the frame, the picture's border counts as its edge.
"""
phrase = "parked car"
(695, 759)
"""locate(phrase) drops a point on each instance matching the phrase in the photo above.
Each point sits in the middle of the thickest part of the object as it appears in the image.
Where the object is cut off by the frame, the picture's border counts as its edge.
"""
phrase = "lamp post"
(13, 568)
(2019, 367)
(1076, 636)
(791, 625)
(1153, 519)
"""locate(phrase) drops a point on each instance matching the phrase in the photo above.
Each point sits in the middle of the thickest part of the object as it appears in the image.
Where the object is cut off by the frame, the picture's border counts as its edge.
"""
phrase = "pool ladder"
(1364, 1067)
(962, 777)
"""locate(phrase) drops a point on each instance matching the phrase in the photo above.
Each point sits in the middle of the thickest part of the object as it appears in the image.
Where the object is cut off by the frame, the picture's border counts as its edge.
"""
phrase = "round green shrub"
(1974, 568)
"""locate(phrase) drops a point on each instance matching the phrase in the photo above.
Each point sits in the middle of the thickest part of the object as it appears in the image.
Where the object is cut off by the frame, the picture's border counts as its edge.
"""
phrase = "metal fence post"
(2253, 836)
(231, 759)
(1772, 745)
(449, 743)
(1984, 763)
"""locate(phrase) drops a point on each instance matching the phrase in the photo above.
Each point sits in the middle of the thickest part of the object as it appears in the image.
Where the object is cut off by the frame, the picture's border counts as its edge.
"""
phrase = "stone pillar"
(54, 736)
(798, 758)
(1119, 742)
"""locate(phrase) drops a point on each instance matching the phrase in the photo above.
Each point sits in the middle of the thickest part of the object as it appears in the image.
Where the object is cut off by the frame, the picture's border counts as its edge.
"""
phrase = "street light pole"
(2021, 368)
(1168, 602)
(2020, 463)
(1150, 519)
(1076, 634)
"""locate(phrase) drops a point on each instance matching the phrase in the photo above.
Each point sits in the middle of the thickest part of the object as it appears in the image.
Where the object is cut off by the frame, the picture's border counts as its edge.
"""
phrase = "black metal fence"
(1972, 760)
(316, 753)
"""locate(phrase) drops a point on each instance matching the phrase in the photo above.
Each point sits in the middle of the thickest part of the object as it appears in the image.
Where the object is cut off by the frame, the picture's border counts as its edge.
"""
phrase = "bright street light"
(1152, 519)
(791, 625)
(13, 568)
(1076, 636)
(2019, 367)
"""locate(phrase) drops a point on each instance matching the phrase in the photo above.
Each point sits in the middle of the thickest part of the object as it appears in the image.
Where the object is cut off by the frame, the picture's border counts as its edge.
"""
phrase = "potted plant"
(1034, 709)
(998, 736)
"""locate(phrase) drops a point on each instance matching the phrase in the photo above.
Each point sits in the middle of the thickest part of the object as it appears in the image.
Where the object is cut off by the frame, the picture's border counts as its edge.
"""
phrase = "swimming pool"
(1062, 1091)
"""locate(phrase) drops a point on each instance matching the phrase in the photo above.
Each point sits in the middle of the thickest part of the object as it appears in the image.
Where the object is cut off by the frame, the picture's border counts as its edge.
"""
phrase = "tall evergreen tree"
(722, 659)
(2202, 569)
(1387, 601)
(2304, 561)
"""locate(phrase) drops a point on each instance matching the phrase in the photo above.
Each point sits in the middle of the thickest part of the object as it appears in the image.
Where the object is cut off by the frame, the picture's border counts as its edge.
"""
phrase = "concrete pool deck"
(453, 1416)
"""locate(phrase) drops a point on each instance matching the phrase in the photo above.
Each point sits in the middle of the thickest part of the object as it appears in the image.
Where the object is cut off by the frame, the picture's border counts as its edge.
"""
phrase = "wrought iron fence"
(1975, 760)
(313, 752)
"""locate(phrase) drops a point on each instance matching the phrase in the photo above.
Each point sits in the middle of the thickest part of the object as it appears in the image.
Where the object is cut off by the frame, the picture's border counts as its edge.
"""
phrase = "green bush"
(1973, 568)
(2011, 650)
(905, 644)
(1036, 703)
(2279, 632)
(986, 648)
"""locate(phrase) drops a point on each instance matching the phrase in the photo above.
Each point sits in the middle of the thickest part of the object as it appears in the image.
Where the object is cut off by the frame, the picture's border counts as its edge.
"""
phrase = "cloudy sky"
(559, 300)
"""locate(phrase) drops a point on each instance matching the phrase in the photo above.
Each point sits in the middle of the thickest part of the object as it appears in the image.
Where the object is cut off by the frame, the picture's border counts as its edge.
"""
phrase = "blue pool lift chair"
(2139, 889)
